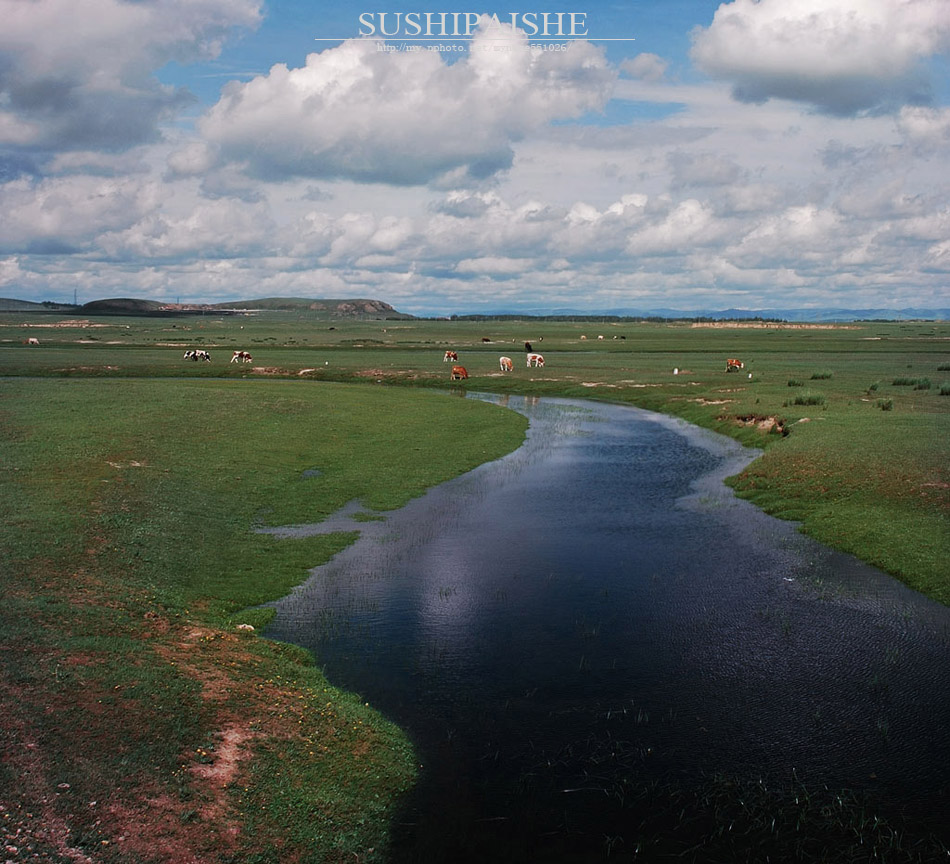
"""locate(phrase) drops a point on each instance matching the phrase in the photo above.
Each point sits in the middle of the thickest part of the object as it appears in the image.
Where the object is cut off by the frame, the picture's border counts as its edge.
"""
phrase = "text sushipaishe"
(463, 24)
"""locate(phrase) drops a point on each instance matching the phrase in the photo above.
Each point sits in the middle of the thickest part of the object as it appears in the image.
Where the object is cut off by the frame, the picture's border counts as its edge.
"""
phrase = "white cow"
(535, 360)
(505, 364)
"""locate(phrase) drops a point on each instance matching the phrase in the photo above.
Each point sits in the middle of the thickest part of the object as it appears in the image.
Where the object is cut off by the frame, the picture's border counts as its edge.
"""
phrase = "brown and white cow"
(535, 360)
(450, 355)
(505, 364)
(241, 356)
(733, 365)
(459, 372)
(32, 341)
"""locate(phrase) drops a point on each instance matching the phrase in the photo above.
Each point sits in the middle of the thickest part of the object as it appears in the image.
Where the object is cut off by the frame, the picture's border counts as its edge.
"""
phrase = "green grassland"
(134, 478)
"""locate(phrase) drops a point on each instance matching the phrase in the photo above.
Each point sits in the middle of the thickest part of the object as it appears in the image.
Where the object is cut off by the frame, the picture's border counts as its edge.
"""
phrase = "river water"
(597, 614)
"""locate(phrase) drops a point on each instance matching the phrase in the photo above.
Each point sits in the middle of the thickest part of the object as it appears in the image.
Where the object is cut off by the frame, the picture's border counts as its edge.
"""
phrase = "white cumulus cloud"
(80, 75)
(842, 57)
(405, 117)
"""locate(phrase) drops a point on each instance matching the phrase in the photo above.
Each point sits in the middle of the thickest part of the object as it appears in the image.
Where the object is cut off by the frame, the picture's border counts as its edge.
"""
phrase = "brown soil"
(142, 817)
(764, 423)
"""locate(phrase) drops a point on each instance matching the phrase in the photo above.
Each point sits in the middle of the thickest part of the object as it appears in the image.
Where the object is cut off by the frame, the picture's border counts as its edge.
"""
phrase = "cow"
(733, 365)
(242, 356)
(459, 372)
(505, 364)
(450, 355)
(535, 359)
(527, 347)
(32, 341)
(196, 355)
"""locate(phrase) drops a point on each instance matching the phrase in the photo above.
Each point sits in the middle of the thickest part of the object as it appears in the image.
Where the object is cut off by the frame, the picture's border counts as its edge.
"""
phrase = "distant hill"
(330, 309)
(120, 306)
(9, 305)
(354, 308)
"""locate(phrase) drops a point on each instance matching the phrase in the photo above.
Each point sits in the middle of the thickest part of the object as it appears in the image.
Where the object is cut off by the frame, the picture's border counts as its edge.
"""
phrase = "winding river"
(596, 613)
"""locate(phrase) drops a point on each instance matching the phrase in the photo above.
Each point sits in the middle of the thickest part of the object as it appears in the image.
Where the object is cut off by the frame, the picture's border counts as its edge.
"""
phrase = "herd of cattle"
(505, 364)
(458, 372)
(197, 354)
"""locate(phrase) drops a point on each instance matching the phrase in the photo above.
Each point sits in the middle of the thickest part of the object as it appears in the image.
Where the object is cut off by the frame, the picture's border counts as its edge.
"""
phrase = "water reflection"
(595, 613)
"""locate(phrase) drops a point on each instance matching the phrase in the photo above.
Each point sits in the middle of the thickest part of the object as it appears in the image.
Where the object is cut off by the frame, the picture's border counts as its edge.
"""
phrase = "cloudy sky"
(759, 154)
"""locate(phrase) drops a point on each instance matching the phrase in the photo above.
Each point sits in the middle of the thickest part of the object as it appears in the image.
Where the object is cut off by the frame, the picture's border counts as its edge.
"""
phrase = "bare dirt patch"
(764, 423)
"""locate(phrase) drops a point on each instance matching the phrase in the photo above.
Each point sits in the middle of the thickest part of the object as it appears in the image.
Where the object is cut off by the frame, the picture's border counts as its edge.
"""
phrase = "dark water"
(596, 613)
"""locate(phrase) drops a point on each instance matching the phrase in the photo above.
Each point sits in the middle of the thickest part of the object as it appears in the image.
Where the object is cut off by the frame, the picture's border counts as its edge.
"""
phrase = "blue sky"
(760, 155)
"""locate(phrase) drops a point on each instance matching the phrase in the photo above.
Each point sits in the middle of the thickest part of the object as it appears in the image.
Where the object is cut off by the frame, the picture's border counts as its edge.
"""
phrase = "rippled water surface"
(595, 613)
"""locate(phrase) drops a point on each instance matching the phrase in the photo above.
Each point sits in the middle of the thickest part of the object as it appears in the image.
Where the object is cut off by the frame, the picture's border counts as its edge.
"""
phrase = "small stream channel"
(596, 614)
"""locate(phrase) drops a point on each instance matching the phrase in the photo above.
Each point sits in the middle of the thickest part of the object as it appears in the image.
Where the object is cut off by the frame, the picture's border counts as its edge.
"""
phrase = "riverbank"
(133, 478)
(143, 720)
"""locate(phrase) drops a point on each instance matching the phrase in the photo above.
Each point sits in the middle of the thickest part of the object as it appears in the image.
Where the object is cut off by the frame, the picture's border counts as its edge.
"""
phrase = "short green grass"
(132, 505)
(134, 479)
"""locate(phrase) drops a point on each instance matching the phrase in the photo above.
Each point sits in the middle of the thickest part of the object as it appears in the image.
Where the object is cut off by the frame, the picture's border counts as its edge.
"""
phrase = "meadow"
(133, 479)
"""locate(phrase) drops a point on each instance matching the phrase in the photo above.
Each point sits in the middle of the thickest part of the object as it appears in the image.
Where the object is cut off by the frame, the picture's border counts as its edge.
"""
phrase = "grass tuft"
(808, 398)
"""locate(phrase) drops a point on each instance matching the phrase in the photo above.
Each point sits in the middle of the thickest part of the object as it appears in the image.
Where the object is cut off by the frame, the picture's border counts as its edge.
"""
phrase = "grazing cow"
(241, 356)
(527, 347)
(450, 355)
(733, 365)
(196, 355)
(505, 364)
(32, 341)
(535, 359)
(486, 339)
(459, 372)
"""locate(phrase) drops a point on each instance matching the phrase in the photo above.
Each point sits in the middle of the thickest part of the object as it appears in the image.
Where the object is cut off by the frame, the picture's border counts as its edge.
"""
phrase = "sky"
(684, 154)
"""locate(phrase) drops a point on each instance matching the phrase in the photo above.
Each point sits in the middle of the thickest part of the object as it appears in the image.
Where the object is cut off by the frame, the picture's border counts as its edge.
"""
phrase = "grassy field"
(133, 479)
(140, 723)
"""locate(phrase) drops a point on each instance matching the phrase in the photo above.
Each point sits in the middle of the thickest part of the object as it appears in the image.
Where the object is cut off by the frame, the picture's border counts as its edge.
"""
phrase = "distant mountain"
(796, 315)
